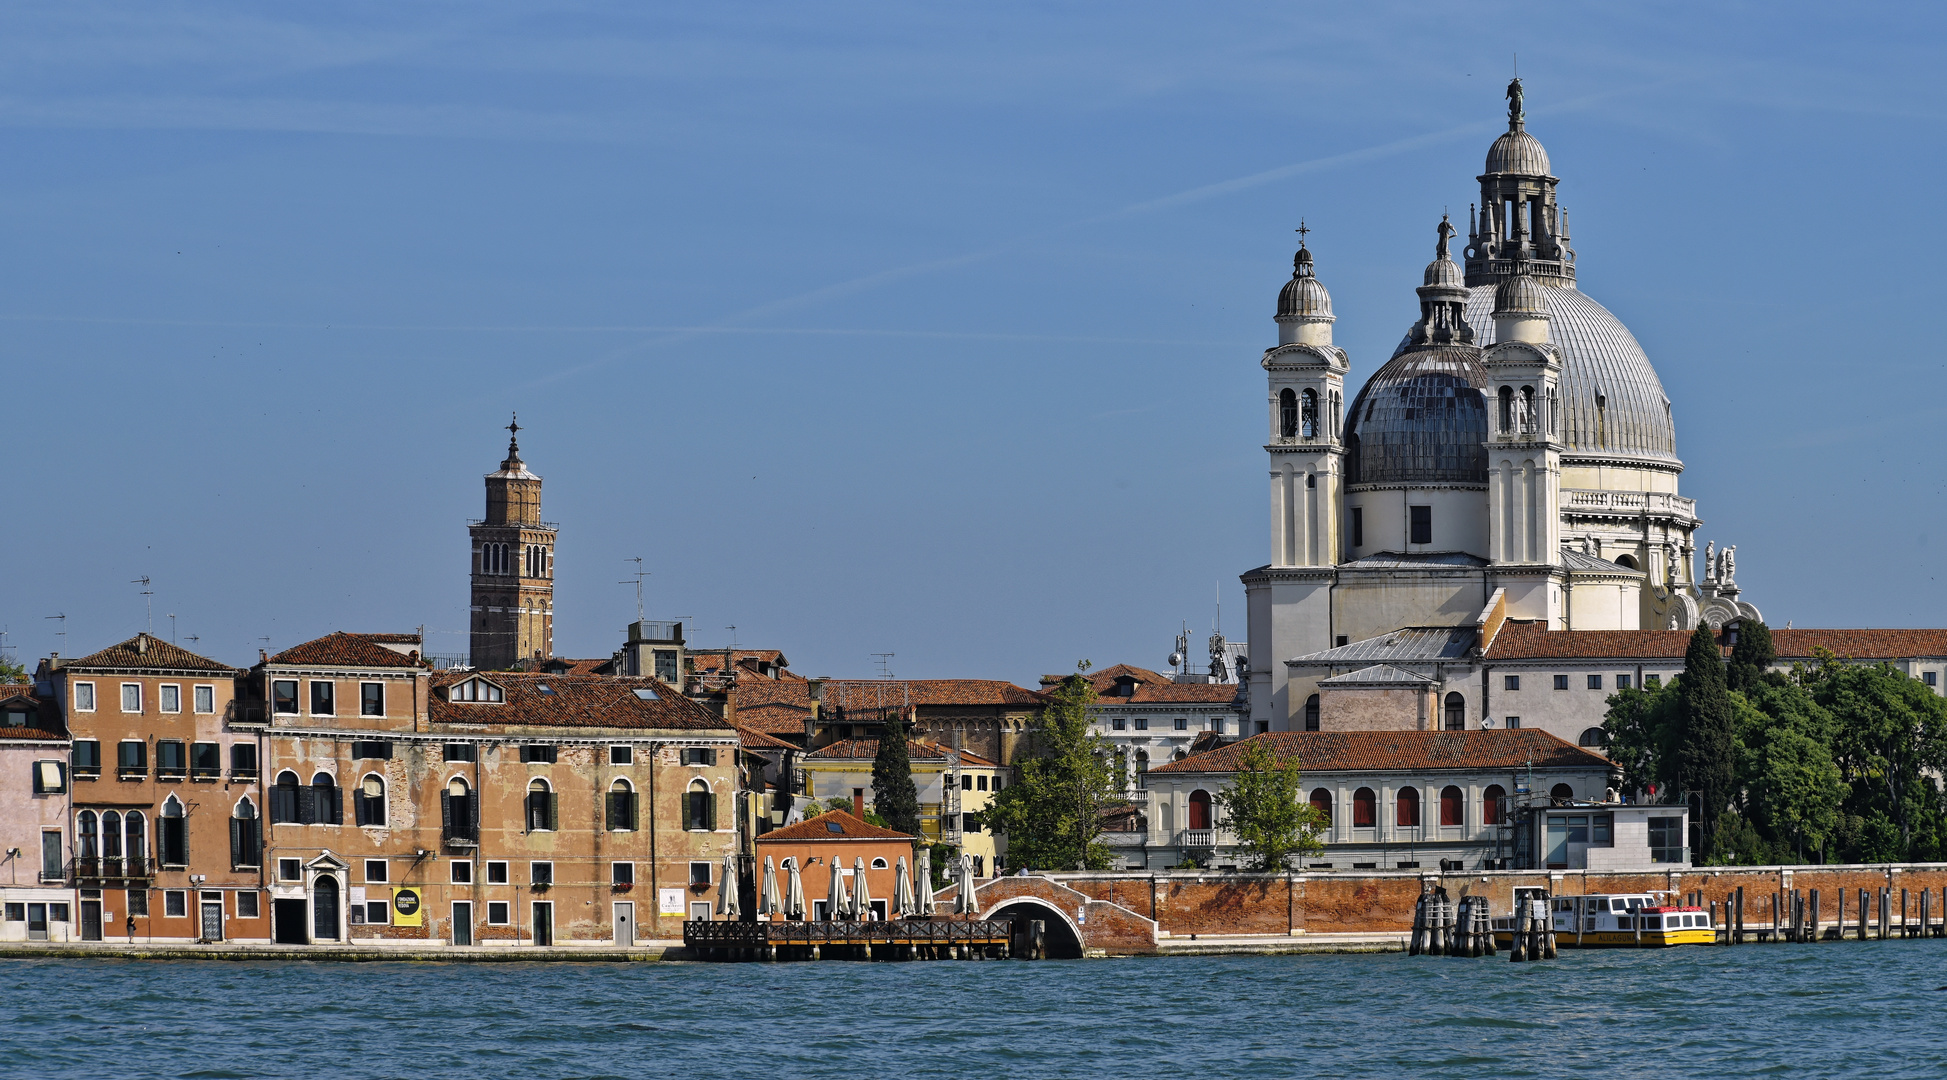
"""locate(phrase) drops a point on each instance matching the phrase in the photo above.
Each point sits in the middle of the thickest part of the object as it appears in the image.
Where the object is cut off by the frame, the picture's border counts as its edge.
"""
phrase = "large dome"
(1613, 405)
(1421, 419)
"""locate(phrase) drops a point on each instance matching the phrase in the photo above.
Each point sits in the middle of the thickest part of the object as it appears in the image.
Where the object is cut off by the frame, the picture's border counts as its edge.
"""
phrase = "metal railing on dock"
(894, 939)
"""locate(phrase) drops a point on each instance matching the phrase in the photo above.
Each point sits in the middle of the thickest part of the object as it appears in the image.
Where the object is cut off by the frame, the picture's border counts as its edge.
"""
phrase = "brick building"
(513, 569)
(991, 716)
(954, 787)
(476, 808)
(838, 838)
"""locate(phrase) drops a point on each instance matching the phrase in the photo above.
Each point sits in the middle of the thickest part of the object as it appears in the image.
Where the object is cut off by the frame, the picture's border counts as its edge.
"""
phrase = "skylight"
(833, 826)
(646, 694)
(544, 688)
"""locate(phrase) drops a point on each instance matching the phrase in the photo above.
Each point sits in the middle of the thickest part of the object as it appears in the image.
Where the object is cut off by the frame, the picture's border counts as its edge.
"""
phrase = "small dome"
(1421, 419)
(1517, 152)
(1444, 272)
(1519, 295)
(1303, 294)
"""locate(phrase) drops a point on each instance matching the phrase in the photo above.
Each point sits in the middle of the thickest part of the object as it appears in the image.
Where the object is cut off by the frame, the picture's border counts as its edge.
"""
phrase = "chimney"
(141, 644)
(263, 657)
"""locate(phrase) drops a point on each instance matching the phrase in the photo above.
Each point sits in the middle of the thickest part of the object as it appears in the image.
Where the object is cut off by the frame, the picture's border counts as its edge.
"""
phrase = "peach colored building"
(837, 836)
(166, 795)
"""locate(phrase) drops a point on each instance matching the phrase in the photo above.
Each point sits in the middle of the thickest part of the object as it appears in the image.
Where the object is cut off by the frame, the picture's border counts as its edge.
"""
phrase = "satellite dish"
(1176, 659)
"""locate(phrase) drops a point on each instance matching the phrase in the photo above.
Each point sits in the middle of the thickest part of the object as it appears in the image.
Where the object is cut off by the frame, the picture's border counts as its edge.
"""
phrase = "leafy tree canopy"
(1052, 811)
(1262, 807)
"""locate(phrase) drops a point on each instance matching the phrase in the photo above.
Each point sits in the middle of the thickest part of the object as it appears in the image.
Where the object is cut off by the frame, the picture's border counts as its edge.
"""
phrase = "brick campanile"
(513, 568)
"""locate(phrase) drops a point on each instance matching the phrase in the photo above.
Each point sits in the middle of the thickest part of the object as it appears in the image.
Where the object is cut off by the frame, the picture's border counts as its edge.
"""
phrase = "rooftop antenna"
(733, 634)
(885, 664)
(172, 628)
(62, 633)
(639, 575)
(148, 599)
(193, 639)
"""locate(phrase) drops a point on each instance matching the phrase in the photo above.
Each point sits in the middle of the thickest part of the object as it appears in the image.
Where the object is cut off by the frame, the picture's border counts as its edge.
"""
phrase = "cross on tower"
(1301, 231)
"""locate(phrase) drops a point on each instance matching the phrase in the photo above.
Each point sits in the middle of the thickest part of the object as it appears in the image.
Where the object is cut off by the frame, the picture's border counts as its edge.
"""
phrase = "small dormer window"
(476, 690)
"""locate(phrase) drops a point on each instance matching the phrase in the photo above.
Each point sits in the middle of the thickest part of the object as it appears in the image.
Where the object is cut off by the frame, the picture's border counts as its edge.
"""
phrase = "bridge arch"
(1062, 937)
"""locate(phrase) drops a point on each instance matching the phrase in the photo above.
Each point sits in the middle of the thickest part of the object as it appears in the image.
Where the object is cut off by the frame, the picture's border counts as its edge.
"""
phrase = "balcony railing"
(92, 871)
(208, 776)
(131, 772)
(460, 836)
(1196, 838)
(242, 714)
(171, 772)
(243, 776)
(1124, 839)
(86, 772)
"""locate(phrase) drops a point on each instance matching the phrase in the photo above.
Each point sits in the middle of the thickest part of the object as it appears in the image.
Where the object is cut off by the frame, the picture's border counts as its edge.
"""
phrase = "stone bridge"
(1076, 923)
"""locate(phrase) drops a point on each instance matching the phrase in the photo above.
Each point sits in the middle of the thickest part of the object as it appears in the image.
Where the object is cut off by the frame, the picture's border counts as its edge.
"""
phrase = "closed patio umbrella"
(963, 901)
(835, 900)
(767, 898)
(727, 890)
(861, 895)
(923, 885)
(902, 890)
(794, 904)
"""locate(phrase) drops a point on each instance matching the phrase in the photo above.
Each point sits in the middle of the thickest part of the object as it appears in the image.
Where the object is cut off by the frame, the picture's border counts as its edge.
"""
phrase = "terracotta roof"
(752, 739)
(1155, 688)
(48, 718)
(819, 828)
(579, 701)
(341, 649)
(1528, 640)
(392, 639)
(1401, 751)
(868, 750)
(579, 667)
(779, 706)
(156, 653)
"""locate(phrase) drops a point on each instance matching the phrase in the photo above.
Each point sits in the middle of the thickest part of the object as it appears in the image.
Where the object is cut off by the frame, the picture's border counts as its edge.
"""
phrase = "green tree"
(12, 674)
(1640, 730)
(1261, 806)
(1052, 812)
(1751, 657)
(893, 793)
(1890, 741)
(1792, 788)
(1705, 744)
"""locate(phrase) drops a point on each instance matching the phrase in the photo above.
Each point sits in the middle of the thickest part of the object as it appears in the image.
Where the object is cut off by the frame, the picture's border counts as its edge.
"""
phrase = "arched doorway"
(1057, 935)
(324, 909)
(1199, 809)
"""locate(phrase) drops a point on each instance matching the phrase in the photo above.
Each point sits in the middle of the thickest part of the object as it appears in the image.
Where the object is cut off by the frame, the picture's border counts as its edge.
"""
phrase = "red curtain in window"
(1450, 805)
(1491, 802)
(1199, 810)
(1322, 802)
(1365, 808)
(1407, 814)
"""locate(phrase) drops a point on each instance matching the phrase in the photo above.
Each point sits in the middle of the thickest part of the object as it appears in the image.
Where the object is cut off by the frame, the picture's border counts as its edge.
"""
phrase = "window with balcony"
(171, 759)
(243, 762)
(1199, 817)
(205, 761)
(86, 757)
(132, 760)
(172, 834)
(246, 836)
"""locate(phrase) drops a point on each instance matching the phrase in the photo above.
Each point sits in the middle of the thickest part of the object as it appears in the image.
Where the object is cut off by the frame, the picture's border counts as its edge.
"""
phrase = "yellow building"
(954, 787)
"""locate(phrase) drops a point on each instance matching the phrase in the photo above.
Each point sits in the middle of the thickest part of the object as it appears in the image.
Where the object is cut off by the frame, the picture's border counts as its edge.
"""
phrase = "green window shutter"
(633, 826)
(689, 812)
(446, 811)
(709, 810)
(554, 815)
(236, 842)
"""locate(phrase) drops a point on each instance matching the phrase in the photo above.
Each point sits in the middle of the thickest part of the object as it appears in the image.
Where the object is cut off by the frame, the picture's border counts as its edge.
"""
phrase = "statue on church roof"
(1515, 115)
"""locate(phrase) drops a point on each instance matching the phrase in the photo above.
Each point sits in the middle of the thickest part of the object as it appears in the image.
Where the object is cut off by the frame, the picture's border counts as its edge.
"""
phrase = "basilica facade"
(1516, 454)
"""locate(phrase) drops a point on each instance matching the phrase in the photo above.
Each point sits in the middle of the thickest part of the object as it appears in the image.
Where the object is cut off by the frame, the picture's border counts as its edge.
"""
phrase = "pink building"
(34, 800)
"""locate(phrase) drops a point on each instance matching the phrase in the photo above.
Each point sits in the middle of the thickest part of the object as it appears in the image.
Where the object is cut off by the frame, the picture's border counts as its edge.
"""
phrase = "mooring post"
(1548, 930)
(1518, 941)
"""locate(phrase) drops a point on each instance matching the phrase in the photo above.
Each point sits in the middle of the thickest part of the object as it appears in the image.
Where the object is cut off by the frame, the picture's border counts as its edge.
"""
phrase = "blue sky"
(888, 328)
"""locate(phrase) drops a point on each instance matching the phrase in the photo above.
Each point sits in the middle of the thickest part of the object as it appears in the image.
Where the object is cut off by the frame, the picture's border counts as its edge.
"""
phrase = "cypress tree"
(893, 793)
(1706, 748)
(1752, 656)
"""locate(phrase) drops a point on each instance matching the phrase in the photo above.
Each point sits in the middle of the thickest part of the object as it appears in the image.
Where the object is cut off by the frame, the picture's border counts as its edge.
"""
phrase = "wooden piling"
(1518, 943)
(1417, 944)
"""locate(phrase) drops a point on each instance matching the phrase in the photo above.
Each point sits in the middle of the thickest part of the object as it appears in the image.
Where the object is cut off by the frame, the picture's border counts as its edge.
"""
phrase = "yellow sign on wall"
(407, 910)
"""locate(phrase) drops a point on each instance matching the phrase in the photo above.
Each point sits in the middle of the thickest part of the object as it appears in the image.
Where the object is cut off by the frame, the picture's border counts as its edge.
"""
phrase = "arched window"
(1308, 421)
(1406, 808)
(1593, 737)
(879, 863)
(172, 835)
(700, 808)
(1452, 806)
(621, 807)
(459, 813)
(111, 835)
(87, 842)
(135, 840)
(1507, 409)
(1287, 413)
(369, 805)
(1626, 560)
(1199, 809)
(1456, 712)
(1365, 808)
(1322, 802)
(1311, 713)
(1494, 805)
(1179, 755)
(283, 799)
(1527, 409)
(1142, 769)
(1561, 793)
(540, 806)
(326, 806)
(246, 838)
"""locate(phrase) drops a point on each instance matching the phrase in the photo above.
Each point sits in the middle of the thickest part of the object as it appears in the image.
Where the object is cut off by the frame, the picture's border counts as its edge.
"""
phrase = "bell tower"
(1289, 599)
(513, 569)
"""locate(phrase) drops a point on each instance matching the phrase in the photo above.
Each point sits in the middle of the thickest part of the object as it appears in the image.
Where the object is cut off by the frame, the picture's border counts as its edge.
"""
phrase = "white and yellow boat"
(1618, 921)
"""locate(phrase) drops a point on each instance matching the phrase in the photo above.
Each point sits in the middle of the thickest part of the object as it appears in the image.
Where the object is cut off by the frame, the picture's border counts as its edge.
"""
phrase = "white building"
(1517, 444)
(1151, 719)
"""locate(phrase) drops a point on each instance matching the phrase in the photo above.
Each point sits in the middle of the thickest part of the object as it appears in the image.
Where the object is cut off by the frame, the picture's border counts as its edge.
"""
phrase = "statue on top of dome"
(1515, 115)
(1446, 231)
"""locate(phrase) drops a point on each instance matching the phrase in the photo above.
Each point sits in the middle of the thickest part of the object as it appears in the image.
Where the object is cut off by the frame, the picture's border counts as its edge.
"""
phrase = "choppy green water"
(1847, 1009)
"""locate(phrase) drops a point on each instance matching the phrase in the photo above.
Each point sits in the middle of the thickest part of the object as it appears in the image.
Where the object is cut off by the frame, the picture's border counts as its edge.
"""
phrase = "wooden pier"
(895, 939)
